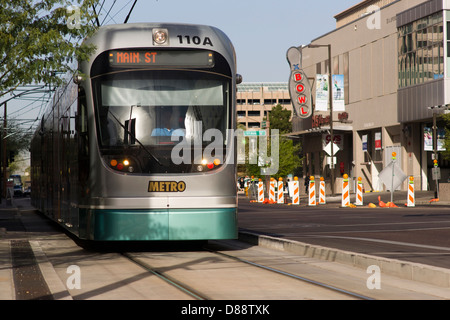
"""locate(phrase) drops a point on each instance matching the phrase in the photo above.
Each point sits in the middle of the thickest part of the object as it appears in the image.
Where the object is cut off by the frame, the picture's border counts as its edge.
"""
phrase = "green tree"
(16, 139)
(289, 152)
(279, 119)
(41, 38)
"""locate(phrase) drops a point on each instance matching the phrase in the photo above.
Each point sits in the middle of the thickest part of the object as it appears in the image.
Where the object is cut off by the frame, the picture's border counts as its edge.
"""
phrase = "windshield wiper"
(128, 131)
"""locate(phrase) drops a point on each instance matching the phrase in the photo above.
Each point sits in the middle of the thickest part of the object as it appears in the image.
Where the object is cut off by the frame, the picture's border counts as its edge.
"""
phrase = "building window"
(284, 101)
(253, 113)
(270, 101)
(254, 125)
(421, 51)
(254, 101)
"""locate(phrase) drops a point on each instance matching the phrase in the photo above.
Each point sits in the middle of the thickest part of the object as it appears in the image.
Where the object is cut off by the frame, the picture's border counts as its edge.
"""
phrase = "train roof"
(139, 35)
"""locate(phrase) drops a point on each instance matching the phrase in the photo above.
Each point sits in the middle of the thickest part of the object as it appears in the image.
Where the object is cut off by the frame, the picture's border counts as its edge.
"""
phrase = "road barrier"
(359, 192)
(260, 191)
(312, 192)
(296, 192)
(272, 197)
(411, 202)
(322, 197)
(345, 192)
(280, 191)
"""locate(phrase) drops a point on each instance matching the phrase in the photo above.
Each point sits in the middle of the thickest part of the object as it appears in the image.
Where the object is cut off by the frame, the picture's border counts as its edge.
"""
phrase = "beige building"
(392, 55)
(256, 100)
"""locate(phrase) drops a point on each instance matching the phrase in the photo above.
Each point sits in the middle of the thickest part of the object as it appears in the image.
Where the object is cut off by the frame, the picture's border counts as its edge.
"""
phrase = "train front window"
(142, 115)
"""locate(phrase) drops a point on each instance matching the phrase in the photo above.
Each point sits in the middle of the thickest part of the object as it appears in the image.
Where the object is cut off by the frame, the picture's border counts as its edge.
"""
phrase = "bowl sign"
(299, 87)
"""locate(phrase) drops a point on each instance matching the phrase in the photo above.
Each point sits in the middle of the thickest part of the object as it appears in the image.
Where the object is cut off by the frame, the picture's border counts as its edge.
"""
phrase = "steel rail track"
(290, 275)
(200, 296)
(176, 283)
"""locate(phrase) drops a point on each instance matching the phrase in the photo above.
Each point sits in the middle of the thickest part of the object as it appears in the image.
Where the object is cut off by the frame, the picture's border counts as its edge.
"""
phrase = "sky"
(261, 31)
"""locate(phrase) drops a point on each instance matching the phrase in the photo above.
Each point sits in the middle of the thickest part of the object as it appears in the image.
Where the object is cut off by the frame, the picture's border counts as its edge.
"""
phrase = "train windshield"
(161, 121)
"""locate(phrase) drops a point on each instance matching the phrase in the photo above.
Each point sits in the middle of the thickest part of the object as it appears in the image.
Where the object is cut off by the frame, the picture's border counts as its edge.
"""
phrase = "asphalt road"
(420, 234)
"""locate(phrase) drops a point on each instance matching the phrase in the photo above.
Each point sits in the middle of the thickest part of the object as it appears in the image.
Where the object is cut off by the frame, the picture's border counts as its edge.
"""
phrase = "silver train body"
(100, 166)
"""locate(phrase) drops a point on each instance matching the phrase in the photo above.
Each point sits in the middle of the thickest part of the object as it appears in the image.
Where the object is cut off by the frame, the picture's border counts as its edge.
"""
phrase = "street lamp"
(331, 108)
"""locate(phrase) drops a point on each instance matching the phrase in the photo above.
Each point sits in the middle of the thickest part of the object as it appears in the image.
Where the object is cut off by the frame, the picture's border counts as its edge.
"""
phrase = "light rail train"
(139, 146)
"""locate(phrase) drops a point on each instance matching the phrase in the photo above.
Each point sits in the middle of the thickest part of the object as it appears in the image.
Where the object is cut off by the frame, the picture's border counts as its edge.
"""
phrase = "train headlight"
(160, 36)
(126, 162)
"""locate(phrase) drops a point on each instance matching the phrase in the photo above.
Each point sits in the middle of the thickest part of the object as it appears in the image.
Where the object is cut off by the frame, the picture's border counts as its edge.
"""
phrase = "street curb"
(402, 269)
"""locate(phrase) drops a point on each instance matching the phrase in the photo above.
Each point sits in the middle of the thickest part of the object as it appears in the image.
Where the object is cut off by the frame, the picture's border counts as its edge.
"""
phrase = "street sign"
(327, 149)
(392, 177)
(255, 133)
(331, 161)
(299, 87)
(436, 172)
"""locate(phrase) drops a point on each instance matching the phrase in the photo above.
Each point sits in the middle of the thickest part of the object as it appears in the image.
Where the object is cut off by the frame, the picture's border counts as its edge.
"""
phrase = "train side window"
(83, 137)
(82, 111)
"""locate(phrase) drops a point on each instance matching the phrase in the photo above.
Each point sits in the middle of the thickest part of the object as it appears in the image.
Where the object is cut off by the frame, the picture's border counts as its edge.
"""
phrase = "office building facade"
(395, 59)
(256, 100)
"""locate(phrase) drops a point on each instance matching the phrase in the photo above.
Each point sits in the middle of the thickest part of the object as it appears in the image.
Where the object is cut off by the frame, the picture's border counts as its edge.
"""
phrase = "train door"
(83, 163)
(64, 200)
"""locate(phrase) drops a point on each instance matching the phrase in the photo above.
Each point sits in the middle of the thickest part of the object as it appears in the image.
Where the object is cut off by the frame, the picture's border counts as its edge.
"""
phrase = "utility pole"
(436, 170)
(4, 152)
(330, 97)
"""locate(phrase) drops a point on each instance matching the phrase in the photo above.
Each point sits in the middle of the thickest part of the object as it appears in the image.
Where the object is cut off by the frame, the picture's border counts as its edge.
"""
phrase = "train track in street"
(294, 276)
(215, 271)
(211, 262)
(166, 278)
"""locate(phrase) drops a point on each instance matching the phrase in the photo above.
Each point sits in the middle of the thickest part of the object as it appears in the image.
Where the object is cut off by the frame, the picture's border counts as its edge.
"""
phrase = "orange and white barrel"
(345, 192)
(312, 192)
(272, 198)
(296, 191)
(260, 191)
(359, 192)
(322, 197)
(280, 191)
(411, 199)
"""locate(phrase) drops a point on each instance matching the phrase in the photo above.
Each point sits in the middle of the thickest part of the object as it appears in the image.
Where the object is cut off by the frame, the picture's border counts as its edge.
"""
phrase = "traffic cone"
(381, 203)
